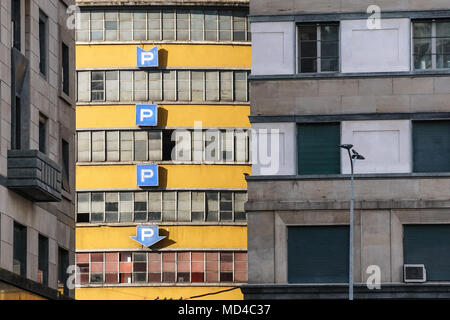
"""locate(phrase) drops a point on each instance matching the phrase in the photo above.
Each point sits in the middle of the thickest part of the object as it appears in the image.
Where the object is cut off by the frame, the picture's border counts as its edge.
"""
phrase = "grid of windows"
(157, 206)
(166, 24)
(431, 45)
(162, 85)
(161, 267)
(181, 145)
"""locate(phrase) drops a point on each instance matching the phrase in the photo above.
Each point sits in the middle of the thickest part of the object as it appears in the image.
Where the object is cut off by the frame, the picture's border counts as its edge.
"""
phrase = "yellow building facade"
(162, 149)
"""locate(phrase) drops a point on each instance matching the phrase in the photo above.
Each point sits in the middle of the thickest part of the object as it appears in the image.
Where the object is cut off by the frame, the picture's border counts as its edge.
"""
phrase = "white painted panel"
(375, 50)
(273, 149)
(273, 48)
(386, 145)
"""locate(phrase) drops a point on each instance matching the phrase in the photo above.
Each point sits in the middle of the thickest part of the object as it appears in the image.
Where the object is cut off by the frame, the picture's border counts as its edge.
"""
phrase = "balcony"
(34, 175)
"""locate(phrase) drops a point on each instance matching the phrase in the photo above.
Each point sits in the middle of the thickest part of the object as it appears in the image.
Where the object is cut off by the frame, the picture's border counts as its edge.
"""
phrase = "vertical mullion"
(433, 46)
(175, 24)
(190, 83)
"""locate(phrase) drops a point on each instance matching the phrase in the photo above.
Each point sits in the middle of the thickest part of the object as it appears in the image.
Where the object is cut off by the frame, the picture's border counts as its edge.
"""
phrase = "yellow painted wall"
(170, 55)
(151, 293)
(124, 116)
(201, 237)
(170, 176)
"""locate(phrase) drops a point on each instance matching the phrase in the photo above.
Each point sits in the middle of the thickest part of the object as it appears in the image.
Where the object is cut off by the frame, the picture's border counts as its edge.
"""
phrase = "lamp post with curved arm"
(353, 156)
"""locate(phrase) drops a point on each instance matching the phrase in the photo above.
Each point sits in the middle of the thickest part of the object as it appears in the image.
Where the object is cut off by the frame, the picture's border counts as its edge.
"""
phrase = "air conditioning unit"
(414, 273)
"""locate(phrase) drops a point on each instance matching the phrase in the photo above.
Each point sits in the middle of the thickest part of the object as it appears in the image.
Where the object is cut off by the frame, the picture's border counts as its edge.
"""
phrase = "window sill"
(156, 42)
(159, 223)
(339, 75)
(434, 175)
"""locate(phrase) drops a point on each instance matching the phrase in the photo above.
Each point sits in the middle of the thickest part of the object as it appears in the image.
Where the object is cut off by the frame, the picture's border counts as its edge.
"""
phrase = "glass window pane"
(239, 26)
(422, 29)
(84, 146)
(83, 86)
(112, 146)
(212, 85)
(226, 206)
(169, 206)
(98, 86)
(126, 207)
(111, 26)
(140, 146)
(239, 206)
(225, 25)
(97, 26)
(154, 25)
(155, 85)
(197, 25)
(140, 86)
(169, 85)
(183, 79)
(98, 146)
(211, 25)
(126, 146)
(241, 146)
(240, 86)
(154, 206)
(182, 25)
(183, 267)
(140, 206)
(83, 203)
(329, 32)
(126, 26)
(443, 29)
(184, 206)
(198, 206)
(212, 206)
(198, 85)
(126, 85)
(227, 146)
(155, 145)
(168, 24)
(226, 86)
(82, 33)
(140, 25)
(112, 85)
(112, 207)
(97, 207)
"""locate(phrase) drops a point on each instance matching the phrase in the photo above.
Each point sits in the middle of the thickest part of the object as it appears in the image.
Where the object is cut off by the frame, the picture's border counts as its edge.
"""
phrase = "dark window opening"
(17, 141)
(16, 24)
(168, 145)
(65, 69)
(43, 120)
(63, 264)
(43, 40)
(65, 165)
(43, 260)
(20, 250)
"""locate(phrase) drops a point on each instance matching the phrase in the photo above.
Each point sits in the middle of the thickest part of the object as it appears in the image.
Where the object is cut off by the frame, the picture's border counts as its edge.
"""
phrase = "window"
(428, 245)
(98, 146)
(63, 264)
(166, 85)
(98, 86)
(16, 24)
(84, 146)
(318, 148)
(20, 250)
(43, 43)
(318, 48)
(154, 206)
(65, 69)
(166, 24)
(431, 45)
(65, 155)
(318, 254)
(156, 267)
(43, 123)
(43, 260)
(431, 146)
(112, 146)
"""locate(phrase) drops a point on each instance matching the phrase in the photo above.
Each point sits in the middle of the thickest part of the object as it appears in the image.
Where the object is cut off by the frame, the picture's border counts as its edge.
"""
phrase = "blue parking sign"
(147, 58)
(146, 115)
(147, 175)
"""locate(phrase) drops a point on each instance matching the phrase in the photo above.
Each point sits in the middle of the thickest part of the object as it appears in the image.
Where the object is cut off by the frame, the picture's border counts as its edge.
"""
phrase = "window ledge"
(156, 42)
(338, 75)
(160, 223)
(434, 175)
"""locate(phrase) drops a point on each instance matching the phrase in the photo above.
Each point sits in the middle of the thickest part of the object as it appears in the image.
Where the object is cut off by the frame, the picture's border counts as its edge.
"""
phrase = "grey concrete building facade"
(37, 164)
(375, 74)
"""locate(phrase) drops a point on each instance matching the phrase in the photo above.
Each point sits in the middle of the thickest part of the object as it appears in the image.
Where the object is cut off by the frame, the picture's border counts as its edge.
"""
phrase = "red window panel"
(212, 267)
(183, 267)
(125, 267)
(226, 267)
(198, 267)
(154, 267)
(82, 257)
(168, 267)
(97, 257)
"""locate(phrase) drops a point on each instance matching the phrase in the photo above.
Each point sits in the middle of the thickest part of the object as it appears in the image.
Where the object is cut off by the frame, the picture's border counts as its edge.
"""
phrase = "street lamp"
(353, 156)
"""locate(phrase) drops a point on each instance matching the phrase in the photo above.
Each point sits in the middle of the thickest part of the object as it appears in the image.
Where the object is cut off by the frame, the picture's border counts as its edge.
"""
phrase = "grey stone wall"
(271, 7)
(55, 220)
